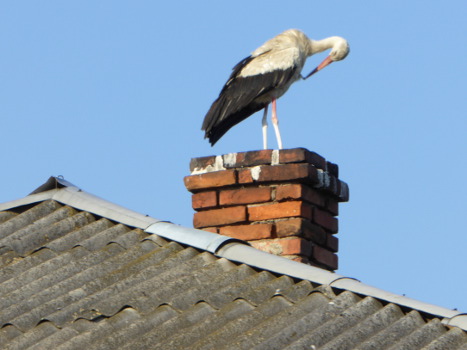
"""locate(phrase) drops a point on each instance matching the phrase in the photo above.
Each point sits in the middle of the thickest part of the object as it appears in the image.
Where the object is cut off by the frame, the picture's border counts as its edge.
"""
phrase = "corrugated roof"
(79, 272)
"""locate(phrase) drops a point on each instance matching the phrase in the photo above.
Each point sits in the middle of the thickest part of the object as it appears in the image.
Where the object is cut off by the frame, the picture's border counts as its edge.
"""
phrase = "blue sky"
(112, 94)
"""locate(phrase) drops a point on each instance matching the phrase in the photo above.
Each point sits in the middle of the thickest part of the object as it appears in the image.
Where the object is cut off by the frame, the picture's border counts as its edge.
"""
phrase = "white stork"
(263, 77)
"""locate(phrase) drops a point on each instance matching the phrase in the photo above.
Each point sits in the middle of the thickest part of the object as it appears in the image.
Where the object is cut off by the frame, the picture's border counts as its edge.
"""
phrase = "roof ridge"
(62, 191)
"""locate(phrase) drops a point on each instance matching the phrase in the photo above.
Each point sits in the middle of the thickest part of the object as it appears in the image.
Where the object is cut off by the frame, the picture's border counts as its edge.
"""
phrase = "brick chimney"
(284, 202)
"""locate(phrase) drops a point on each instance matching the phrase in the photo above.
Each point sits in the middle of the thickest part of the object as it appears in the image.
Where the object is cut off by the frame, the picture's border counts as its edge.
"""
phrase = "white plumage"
(263, 77)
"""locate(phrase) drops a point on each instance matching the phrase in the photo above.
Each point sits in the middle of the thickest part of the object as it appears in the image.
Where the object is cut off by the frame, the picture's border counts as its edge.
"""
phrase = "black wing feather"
(240, 98)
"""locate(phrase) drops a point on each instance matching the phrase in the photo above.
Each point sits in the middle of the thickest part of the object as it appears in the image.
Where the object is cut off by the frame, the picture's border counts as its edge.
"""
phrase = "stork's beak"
(327, 61)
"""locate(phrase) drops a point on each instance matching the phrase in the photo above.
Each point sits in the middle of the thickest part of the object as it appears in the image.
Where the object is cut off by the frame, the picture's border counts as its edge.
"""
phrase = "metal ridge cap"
(253, 257)
(30, 199)
(66, 193)
(449, 317)
(276, 264)
(459, 320)
(82, 200)
(225, 247)
(52, 183)
(204, 240)
(240, 251)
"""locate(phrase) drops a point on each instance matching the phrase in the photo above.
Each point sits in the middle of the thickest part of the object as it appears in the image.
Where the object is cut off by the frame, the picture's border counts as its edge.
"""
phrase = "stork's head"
(339, 50)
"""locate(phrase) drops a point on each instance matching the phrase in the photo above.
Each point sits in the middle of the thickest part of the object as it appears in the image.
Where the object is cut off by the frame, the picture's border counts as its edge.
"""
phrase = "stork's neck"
(317, 46)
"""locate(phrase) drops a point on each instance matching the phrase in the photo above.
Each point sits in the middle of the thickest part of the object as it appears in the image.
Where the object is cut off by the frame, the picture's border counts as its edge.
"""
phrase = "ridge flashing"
(66, 193)
(204, 240)
(225, 247)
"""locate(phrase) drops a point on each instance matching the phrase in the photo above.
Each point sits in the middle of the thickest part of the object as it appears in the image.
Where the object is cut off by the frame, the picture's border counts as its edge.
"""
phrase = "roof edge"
(65, 192)
(225, 247)
(204, 240)
(54, 182)
(459, 320)
(30, 199)
(276, 264)
(96, 205)
(449, 317)
(256, 258)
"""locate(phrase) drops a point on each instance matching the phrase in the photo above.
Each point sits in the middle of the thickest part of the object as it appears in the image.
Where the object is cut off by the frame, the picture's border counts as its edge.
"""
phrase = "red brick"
(244, 176)
(301, 155)
(301, 227)
(325, 220)
(202, 162)
(289, 227)
(218, 217)
(332, 243)
(284, 246)
(203, 200)
(325, 257)
(332, 205)
(277, 173)
(252, 158)
(280, 210)
(295, 246)
(299, 191)
(248, 232)
(245, 195)
(211, 229)
(294, 155)
(210, 180)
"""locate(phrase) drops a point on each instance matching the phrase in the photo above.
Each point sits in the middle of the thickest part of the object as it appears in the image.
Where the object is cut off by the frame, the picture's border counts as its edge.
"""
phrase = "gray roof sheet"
(74, 276)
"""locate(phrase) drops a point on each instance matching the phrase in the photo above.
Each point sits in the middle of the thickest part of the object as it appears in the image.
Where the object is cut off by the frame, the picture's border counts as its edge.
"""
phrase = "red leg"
(275, 123)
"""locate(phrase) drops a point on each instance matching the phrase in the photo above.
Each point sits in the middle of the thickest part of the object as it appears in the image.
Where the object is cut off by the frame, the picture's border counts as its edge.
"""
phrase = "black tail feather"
(215, 132)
